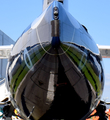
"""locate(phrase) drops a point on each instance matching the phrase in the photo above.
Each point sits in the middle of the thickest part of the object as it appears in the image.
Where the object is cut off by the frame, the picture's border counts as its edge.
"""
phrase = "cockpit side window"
(48, 1)
(60, 1)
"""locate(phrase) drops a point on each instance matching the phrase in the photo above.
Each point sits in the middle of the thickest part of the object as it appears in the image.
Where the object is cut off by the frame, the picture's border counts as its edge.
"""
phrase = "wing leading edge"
(5, 51)
(104, 50)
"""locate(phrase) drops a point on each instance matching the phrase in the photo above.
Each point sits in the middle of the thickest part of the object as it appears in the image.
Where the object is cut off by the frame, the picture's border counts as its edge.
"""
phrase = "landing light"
(56, 13)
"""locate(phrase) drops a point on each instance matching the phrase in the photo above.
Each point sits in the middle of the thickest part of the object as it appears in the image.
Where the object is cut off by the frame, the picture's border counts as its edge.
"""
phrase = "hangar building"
(4, 40)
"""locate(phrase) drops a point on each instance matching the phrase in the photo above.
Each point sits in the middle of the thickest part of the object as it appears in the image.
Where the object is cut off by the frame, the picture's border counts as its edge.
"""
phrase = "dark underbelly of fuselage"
(59, 85)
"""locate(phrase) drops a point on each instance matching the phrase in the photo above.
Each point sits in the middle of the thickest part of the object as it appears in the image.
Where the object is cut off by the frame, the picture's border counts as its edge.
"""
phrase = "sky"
(16, 15)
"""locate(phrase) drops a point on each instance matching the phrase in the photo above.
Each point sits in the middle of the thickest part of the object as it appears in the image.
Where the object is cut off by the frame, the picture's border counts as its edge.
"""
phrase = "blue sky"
(16, 15)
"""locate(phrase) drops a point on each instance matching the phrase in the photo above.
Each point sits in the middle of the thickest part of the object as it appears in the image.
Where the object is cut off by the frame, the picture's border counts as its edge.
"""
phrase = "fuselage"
(55, 68)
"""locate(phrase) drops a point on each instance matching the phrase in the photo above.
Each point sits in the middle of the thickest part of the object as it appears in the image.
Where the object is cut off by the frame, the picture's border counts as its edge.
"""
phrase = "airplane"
(55, 68)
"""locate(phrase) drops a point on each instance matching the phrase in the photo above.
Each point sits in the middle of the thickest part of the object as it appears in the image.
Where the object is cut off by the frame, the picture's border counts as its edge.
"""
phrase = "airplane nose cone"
(55, 42)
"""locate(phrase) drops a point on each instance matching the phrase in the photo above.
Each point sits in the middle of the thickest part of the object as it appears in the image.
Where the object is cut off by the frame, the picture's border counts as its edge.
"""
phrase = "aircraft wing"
(104, 50)
(5, 51)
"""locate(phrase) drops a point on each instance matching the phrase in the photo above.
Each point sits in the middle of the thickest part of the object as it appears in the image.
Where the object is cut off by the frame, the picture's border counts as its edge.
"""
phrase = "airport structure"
(4, 40)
